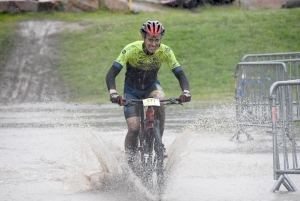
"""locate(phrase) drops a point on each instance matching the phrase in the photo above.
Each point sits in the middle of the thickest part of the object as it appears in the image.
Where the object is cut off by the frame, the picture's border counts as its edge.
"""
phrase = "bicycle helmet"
(152, 27)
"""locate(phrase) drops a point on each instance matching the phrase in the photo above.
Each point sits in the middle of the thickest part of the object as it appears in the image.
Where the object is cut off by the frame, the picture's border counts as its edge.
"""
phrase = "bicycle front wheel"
(154, 173)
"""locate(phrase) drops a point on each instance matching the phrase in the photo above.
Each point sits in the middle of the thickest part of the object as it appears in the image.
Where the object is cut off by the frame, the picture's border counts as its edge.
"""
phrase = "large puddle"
(62, 150)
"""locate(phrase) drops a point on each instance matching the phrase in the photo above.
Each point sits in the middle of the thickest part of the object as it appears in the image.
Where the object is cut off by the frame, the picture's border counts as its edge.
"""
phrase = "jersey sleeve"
(170, 58)
(123, 57)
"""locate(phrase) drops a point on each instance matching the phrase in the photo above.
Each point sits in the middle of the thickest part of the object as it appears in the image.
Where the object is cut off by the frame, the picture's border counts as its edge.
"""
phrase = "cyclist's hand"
(185, 97)
(116, 98)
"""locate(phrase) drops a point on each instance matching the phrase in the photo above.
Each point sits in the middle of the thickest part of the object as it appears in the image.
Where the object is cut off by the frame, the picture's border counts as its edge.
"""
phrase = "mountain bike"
(149, 158)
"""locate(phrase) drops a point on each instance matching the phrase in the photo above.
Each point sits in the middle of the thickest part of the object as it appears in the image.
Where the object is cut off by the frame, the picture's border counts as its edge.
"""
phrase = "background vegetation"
(208, 43)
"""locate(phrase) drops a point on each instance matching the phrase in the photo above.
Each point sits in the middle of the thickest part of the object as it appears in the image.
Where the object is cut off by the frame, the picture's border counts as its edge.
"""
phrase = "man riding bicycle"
(143, 60)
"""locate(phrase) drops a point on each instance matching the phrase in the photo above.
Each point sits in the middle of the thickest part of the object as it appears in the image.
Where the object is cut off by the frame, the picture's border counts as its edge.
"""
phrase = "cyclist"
(142, 60)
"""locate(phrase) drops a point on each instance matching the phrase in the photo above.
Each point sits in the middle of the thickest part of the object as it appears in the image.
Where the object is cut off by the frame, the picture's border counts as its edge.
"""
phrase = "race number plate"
(151, 102)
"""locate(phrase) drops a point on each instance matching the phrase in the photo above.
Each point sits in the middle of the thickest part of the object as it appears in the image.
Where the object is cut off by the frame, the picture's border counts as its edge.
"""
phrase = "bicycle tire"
(160, 162)
(154, 168)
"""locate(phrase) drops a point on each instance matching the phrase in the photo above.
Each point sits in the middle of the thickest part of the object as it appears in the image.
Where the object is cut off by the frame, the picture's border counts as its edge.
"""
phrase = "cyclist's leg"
(133, 124)
(132, 115)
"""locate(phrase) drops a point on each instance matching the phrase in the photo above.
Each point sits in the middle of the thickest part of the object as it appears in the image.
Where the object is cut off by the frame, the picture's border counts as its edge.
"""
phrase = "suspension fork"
(148, 124)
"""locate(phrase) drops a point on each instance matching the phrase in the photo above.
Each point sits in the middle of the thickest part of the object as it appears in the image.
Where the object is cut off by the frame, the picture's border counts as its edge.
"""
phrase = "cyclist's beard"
(146, 50)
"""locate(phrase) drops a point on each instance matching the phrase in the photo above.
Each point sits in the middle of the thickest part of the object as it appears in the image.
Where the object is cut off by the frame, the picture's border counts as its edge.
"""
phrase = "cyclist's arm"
(111, 78)
(115, 70)
(176, 69)
(183, 81)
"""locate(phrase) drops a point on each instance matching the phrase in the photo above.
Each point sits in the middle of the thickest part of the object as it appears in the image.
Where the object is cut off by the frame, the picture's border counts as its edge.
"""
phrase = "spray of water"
(100, 165)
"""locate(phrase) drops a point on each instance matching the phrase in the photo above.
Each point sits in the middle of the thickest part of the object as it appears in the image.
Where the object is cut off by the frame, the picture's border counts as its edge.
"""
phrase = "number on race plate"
(151, 102)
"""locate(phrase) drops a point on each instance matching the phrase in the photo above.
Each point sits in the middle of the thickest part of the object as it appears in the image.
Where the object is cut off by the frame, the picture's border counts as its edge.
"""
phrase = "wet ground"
(54, 150)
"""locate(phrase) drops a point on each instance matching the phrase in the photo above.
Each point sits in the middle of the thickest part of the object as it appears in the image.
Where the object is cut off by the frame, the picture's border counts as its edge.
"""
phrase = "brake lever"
(129, 103)
(174, 101)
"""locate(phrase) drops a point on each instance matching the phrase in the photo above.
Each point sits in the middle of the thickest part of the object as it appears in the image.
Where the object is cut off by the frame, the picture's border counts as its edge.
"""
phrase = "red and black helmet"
(152, 27)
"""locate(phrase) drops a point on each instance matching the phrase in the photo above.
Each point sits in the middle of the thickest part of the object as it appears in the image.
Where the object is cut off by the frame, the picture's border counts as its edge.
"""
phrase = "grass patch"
(6, 36)
(208, 44)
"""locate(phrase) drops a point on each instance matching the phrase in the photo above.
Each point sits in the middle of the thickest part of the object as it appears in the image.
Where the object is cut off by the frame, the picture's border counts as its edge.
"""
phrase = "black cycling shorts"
(133, 93)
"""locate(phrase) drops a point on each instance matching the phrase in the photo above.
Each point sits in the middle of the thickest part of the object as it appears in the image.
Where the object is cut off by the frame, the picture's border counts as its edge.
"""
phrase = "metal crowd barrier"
(271, 57)
(286, 132)
(251, 107)
(252, 83)
(292, 66)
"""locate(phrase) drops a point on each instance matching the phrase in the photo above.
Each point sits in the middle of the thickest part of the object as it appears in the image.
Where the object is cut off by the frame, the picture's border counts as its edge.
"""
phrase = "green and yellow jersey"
(141, 68)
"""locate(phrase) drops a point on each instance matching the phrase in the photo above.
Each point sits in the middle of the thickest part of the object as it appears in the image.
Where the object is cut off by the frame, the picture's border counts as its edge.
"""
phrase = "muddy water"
(53, 150)
(63, 151)
(67, 151)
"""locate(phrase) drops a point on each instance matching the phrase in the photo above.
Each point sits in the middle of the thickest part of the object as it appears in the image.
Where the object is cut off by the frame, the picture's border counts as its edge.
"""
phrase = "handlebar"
(130, 102)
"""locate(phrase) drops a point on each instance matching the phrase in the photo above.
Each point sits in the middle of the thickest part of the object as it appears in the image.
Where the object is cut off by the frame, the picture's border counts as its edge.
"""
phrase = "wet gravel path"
(30, 72)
